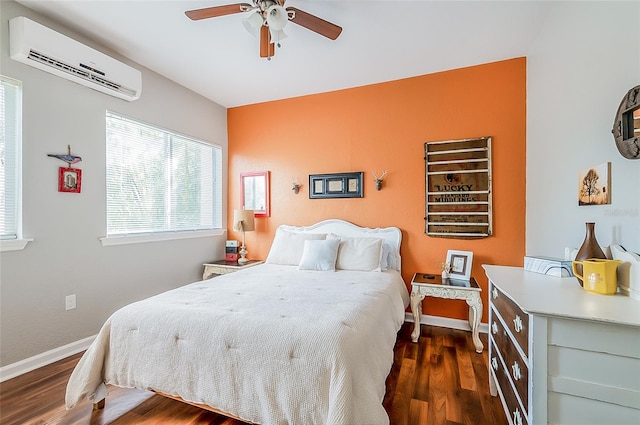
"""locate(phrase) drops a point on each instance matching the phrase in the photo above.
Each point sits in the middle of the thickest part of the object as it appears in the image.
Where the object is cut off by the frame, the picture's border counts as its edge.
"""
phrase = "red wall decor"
(69, 180)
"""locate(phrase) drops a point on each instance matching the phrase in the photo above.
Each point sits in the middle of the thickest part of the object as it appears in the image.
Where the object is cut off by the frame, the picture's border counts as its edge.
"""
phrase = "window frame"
(19, 242)
(165, 235)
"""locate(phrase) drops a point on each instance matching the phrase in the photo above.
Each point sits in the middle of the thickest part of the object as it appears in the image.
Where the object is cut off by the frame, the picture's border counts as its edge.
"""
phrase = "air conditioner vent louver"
(45, 49)
(37, 56)
(60, 65)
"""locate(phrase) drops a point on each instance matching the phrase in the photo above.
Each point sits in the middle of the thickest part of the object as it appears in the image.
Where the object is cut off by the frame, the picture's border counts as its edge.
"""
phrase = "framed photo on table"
(460, 263)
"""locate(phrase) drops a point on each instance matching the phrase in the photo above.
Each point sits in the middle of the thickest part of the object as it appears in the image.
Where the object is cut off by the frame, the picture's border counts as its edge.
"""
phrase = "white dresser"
(559, 354)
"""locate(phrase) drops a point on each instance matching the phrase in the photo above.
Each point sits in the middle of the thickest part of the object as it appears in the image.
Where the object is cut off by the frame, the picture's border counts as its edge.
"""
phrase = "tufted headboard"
(391, 235)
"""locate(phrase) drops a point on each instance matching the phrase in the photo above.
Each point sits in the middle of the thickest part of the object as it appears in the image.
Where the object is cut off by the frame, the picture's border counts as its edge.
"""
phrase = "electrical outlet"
(70, 302)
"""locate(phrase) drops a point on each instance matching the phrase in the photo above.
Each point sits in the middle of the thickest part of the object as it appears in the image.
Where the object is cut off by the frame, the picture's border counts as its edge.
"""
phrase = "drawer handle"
(517, 418)
(517, 373)
(494, 363)
(494, 328)
(517, 323)
(494, 293)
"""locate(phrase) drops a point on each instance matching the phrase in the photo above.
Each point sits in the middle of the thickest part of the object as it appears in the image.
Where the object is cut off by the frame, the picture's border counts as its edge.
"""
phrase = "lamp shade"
(243, 220)
(277, 17)
(253, 23)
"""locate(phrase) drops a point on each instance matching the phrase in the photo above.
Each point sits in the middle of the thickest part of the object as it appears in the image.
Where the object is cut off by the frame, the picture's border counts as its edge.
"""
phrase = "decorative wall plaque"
(336, 185)
(458, 188)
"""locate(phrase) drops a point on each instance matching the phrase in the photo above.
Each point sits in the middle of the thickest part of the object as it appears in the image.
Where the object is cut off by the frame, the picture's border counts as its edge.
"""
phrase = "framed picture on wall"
(69, 180)
(336, 185)
(594, 185)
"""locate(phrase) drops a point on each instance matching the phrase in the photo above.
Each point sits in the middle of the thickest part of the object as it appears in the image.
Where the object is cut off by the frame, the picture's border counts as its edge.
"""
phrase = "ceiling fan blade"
(215, 11)
(315, 24)
(267, 49)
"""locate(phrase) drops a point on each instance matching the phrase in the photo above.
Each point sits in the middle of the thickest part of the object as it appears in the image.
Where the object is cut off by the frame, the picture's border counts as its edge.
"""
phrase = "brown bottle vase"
(589, 249)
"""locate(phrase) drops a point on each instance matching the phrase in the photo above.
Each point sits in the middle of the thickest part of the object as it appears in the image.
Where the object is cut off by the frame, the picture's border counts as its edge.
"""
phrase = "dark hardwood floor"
(440, 380)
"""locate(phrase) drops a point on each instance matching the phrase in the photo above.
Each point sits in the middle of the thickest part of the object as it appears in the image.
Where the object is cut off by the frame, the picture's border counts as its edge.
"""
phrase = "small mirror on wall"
(254, 192)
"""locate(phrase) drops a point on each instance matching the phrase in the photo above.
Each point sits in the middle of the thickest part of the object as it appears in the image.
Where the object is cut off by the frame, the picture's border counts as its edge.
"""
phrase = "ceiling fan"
(267, 19)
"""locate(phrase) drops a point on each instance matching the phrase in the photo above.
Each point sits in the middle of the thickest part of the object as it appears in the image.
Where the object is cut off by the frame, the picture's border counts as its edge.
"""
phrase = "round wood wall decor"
(625, 125)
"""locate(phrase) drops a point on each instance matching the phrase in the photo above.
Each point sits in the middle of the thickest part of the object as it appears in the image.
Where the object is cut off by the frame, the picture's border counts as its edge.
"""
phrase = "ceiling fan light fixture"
(253, 22)
(266, 19)
(277, 17)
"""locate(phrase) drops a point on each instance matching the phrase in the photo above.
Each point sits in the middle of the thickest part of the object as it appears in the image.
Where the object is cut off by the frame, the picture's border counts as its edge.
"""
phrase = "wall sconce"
(295, 185)
(379, 180)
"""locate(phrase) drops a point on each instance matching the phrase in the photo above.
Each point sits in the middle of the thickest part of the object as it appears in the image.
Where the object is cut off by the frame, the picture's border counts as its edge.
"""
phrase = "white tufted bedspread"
(269, 344)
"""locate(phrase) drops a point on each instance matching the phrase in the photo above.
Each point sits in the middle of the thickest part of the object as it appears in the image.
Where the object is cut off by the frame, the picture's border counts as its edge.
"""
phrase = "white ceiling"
(380, 41)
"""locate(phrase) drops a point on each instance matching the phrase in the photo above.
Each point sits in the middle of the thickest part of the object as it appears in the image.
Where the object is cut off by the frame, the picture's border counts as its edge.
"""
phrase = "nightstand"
(218, 268)
(424, 284)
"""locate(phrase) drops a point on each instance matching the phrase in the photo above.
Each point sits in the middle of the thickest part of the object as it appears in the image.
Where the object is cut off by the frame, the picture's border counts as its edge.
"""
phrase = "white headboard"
(391, 235)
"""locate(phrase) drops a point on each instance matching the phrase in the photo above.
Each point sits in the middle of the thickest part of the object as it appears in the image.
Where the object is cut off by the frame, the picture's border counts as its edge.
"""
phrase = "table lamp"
(243, 220)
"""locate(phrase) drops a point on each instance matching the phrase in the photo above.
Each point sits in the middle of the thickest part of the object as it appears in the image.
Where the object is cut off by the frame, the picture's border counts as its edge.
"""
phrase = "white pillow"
(319, 255)
(386, 262)
(287, 247)
(362, 254)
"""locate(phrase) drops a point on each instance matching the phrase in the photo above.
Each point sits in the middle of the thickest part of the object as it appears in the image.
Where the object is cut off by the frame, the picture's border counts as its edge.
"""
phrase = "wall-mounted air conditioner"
(50, 51)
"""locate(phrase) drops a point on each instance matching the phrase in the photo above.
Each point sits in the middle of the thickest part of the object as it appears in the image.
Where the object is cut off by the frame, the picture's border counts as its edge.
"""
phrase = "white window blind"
(159, 181)
(10, 143)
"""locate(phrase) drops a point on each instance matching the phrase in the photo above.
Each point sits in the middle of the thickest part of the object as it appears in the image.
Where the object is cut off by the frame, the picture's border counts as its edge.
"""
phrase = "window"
(10, 160)
(160, 182)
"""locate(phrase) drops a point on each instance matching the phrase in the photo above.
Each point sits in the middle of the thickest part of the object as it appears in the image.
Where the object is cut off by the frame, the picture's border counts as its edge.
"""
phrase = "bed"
(306, 338)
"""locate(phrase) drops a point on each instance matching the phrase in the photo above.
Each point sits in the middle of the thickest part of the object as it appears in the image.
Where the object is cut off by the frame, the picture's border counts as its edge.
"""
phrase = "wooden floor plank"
(423, 372)
(453, 406)
(439, 380)
(465, 369)
(472, 413)
(437, 390)
(418, 412)
(403, 393)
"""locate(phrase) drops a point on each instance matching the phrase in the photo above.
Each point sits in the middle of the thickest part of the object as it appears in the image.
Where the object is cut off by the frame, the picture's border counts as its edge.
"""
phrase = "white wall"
(585, 59)
(66, 256)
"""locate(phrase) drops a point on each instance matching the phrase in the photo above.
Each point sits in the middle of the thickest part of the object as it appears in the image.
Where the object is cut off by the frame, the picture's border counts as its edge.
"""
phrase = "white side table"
(423, 285)
(218, 268)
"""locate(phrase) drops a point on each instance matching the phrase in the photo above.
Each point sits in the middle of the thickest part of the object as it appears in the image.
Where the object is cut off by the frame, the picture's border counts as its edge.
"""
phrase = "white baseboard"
(445, 322)
(39, 360)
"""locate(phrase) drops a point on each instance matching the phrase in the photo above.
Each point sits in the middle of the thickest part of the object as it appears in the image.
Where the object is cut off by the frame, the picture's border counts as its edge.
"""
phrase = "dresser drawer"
(514, 411)
(516, 320)
(517, 367)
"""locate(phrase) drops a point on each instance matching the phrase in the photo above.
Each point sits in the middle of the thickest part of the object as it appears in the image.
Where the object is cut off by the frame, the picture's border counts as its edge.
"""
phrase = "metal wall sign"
(458, 188)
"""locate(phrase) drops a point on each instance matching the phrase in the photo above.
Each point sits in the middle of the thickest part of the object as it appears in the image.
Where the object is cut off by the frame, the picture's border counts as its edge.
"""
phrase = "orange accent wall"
(384, 127)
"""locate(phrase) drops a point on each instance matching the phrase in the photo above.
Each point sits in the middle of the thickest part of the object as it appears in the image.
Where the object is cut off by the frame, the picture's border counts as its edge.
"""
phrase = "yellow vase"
(598, 275)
